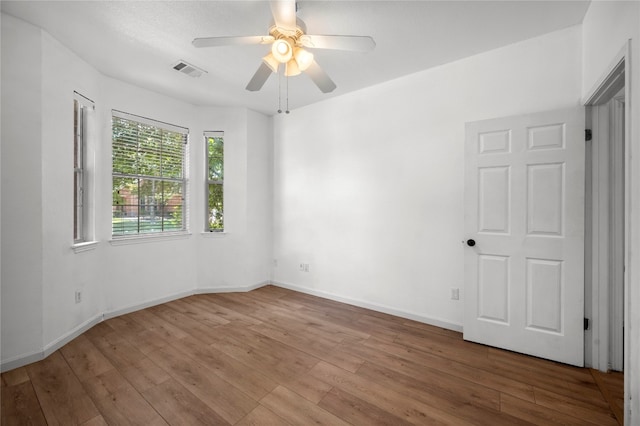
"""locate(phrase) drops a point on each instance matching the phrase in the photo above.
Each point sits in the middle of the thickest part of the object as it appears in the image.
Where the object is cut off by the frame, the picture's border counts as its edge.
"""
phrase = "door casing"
(596, 298)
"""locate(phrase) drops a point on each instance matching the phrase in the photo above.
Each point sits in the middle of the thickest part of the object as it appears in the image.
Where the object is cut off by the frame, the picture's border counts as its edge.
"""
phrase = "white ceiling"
(140, 41)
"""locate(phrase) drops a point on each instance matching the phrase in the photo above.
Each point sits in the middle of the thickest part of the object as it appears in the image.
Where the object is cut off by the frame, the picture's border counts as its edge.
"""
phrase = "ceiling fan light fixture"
(292, 68)
(282, 50)
(271, 62)
(303, 58)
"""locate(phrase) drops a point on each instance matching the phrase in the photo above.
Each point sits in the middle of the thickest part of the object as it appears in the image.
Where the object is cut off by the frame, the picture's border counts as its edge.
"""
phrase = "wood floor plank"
(189, 326)
(297, 410)
(409, 362)
(346, 323)
(106, 384)
(127, 407)
(357, 411)
(476, 356)
(249, 380)
(599, 414)
(178, 406)
(20, 406)
(61, 396)
(236, 311)
(262, 416)
(96, 421)
(321, 349)
(483, 408)
(15, 377)
(212, 303)
(379, 394)
(612, 387)
(190, 307)
(308, 387)
(247, 354)
(125, 324)
(582, 388)
(144, 374)
(165, 329)
(461, 351)
(84, 358)
(276, 297)
(245, 344)
(273, 356)
(437, 384)
(536, 414)
(119, 402)
(226, 400)
(146, 339)
(99, 330)
(299, 323)
(119, 351)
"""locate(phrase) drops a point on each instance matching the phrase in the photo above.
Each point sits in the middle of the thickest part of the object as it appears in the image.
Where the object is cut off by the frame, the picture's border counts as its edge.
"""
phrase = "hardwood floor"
(277, 357)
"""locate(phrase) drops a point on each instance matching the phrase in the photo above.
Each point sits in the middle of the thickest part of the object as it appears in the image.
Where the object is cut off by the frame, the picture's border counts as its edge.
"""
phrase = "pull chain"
(287, 111)
(279, 92)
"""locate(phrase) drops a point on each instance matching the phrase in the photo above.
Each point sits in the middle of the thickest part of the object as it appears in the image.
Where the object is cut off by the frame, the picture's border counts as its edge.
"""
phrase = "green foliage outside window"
(148, 178)
(215, 183)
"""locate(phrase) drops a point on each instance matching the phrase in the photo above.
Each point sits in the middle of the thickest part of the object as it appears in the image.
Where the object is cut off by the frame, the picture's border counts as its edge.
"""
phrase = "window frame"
(183, 180)
(82, 194)
(208, 182)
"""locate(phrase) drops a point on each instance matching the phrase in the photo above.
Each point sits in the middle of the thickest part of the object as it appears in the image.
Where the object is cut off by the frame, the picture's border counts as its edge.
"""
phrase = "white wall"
(368, 187)
(40, 271)
(142, 273)
(64, 272)
(241, 255)
(21, 190)
(606, 29)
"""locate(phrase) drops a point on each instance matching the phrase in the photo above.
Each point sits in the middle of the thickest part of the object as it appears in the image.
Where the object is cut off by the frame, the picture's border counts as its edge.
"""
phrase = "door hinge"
(587, 135)
(586, 323)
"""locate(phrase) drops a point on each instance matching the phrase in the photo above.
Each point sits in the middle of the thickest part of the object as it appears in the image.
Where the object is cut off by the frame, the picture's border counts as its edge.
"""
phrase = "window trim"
(82, 235)
(138, 237)
(206, 135)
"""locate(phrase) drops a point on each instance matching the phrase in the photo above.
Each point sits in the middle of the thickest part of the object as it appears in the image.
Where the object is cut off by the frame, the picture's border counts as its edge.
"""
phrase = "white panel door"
(524, 210)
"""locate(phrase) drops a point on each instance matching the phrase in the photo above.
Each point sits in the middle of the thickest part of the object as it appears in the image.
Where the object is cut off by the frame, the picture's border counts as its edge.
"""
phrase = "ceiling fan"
(288, 39)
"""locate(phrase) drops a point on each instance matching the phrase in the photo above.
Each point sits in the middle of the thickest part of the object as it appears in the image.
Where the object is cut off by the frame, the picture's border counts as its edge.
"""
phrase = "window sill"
(216, 234)
(148, 238)
(85, 246)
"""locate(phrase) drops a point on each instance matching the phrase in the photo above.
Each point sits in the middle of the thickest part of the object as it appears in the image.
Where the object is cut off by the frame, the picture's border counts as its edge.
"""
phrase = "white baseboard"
(22, 360)
(66, 338)
(6, 365)
(211, 290)
(373, 306)
(148, 304)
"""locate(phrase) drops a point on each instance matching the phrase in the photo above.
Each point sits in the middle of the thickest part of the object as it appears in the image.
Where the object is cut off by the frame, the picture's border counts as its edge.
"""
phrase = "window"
(81, 108)
(214, 144)
(149, 176)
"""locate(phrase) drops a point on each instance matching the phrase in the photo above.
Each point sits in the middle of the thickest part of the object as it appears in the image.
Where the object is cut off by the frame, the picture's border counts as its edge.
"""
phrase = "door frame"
(596, 289)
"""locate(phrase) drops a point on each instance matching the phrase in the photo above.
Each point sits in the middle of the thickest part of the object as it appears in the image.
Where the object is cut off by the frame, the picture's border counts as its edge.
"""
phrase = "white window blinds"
(149, 160)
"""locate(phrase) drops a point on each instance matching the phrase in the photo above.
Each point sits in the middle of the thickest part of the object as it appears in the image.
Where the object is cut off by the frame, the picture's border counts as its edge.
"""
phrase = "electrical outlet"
(304, 267)
(78, 296)
(275, 263)
(455, 294)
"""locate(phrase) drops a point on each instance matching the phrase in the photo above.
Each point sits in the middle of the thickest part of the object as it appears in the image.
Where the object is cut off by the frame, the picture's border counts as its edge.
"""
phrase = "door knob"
(471, 242)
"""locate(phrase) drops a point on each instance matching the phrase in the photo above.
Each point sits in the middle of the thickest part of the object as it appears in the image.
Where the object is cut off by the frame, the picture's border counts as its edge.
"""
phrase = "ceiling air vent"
(188, 69)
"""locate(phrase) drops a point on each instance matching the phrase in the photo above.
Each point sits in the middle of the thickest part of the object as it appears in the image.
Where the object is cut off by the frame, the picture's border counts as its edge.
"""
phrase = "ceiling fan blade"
(231, 41)
(259, 78)
(320, 78)
(284, 13)
(339, 42)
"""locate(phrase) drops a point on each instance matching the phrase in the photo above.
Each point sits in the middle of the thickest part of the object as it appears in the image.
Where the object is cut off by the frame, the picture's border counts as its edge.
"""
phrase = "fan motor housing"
(286, 33)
